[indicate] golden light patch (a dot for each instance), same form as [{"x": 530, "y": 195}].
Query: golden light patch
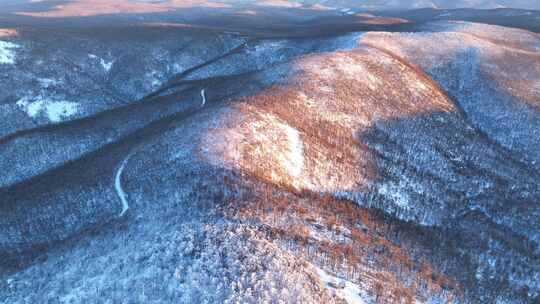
[
  {"x": 85, "y": 8},
  {"x": 8, "y": 32}
]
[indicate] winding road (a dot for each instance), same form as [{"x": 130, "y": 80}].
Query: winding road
[
  {"x": 203, "y": 95},
  {"x": 118, "y": 176},
  {"x": 118, "y": 185}
]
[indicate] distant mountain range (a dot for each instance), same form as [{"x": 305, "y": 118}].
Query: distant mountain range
[{"x": 443, "y": 4}]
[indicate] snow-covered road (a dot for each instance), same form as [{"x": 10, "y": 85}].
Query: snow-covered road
[
  {"x": 203, "y": 96},
  {"x": 118, "y": 185}
]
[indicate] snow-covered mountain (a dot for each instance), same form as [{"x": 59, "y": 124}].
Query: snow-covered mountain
[
  {"x": 268, "y": 154},
  {"x": 440, "y": 4}
]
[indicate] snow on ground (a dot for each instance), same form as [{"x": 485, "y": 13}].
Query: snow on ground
[
  {"x": 47, "y": 82},
  {"x": 272, "y": 146},
  {"x": 394, "y": 192},
  {"x": 266, "y": 132},
  {"x": 346, "y": 290},
  {"x": 338, "y": 233},
  {"x": 295, "y": 162},
  {"x": 268, "y": 46},
  {"x": 7, "y": 53},
  {"x": 107, "y": 65},
  {"x": 354, "y": 70},
  {"x": 55, "y": 111},
  {"x": 154, "y": 78}
]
